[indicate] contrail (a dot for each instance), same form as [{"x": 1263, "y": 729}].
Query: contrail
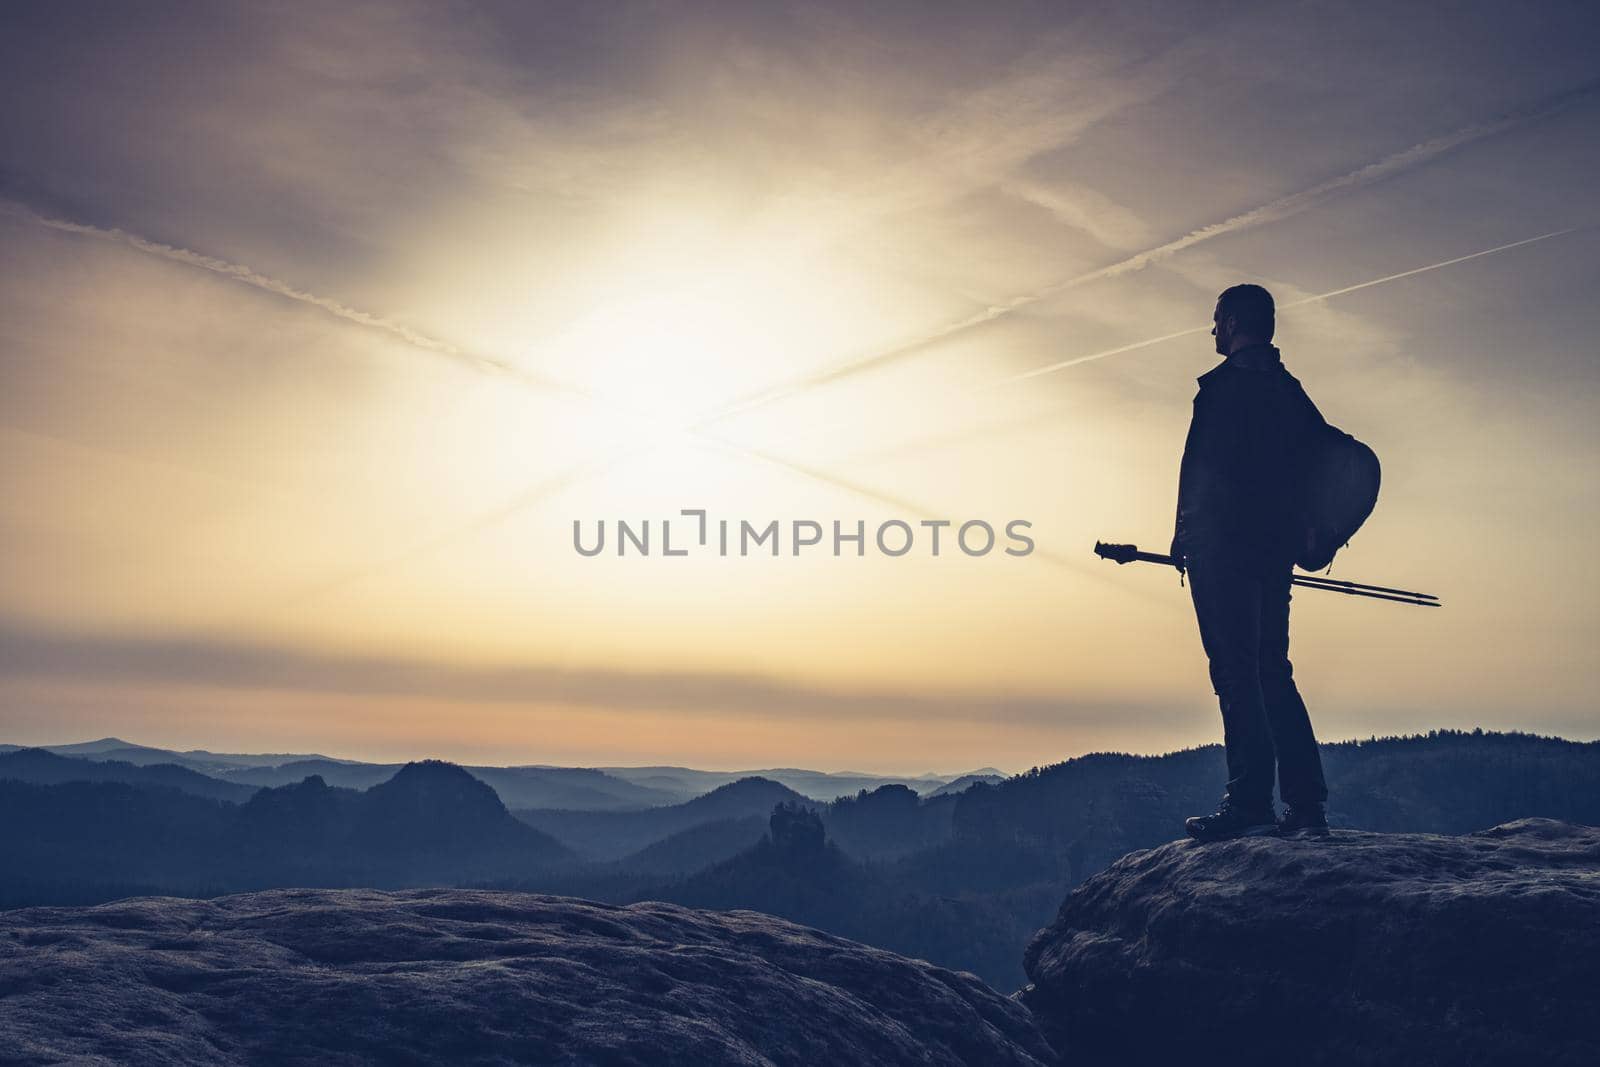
[
  {"x": 1102, "y": 355},
  {"x": 1433, "y": 266},
  {"x": 1053, "y": 367},
  {"x": 255, "y": 279},
  {"x": 1274, "y": 211}
]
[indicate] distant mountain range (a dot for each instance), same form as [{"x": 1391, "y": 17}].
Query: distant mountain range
[
  {"x": 535, "y": 786},
  {"x": 114, "y": 748},
  {"x": 43, "y": 767},
  {"x": 431, "y": 823},
  {"x": 610, "y": 835},
  {"x": 90, "y": 825},
  {"x": 817, "y": 785}
]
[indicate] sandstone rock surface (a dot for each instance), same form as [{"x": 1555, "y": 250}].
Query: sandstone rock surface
[
  {"x": 1355, "y": 949},
  {"x": 459, "y": 976}
]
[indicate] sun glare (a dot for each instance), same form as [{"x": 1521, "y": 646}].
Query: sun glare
[{"x": 667, "y": 347}]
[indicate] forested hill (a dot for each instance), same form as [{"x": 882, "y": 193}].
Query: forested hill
[{"x": 1097, "y": 807}]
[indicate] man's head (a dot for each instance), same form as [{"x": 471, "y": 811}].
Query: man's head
[{"x": 1244, "y": 316}]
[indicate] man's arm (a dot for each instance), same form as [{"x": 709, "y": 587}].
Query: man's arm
[
  {"x": 1201, "y": 478},
  {"x": 1184, "y": 478}
]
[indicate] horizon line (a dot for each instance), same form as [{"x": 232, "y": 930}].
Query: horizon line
[{"x": 752, "y": 771}]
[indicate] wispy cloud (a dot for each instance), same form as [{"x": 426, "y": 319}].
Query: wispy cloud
[
  {"x": 531, "y": 496},
  {"x": 26, "y": 652}
]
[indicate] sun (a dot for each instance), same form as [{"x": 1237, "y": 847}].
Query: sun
[{"x": 673, "y": 355}]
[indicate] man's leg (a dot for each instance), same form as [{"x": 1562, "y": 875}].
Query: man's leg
[
  {"x": 1300, "y": 781},
  {"x": 1227, "y": 605}
]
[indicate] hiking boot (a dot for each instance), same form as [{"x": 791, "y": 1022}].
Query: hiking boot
[
  {"x": 1303, "y": 820},
  {"x": 1230, "y": 820}
]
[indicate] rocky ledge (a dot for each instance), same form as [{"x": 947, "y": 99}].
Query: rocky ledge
[
  {"x": 456, "y": 976},
  {"x": 1354, "y": 949}
]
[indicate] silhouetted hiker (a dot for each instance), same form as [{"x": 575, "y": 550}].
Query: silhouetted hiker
[{"x": 1238, "y": 534}]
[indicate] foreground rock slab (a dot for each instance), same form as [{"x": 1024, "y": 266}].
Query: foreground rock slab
[
  {"x": 1355, "y": 949},
  {"x": 348, "y": 976}
]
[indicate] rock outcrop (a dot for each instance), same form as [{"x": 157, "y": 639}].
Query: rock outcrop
[
  {"x": 457, "y": 976},
  {"x": 1355, "y": 949}
]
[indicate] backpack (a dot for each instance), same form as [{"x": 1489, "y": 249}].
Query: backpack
[{"x": 1339, "y": 491}]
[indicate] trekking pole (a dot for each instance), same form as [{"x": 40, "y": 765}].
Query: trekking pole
[{"x": 1131, "y": 553}]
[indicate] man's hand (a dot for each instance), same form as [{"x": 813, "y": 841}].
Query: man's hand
[{"x": 1177, "y": 555}]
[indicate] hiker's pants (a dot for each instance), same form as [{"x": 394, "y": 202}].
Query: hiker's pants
[{"x": 1244, "y": 626}]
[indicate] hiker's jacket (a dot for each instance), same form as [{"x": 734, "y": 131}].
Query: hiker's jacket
[{"x": 1239, "y": 483}]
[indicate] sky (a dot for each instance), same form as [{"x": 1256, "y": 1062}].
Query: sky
[{"x": 321, "y": 326}]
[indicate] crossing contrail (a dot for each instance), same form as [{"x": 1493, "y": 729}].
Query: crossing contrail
[
  {"x": 1073, "y": 362},
  {"x": 1274, "y": 211}
]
